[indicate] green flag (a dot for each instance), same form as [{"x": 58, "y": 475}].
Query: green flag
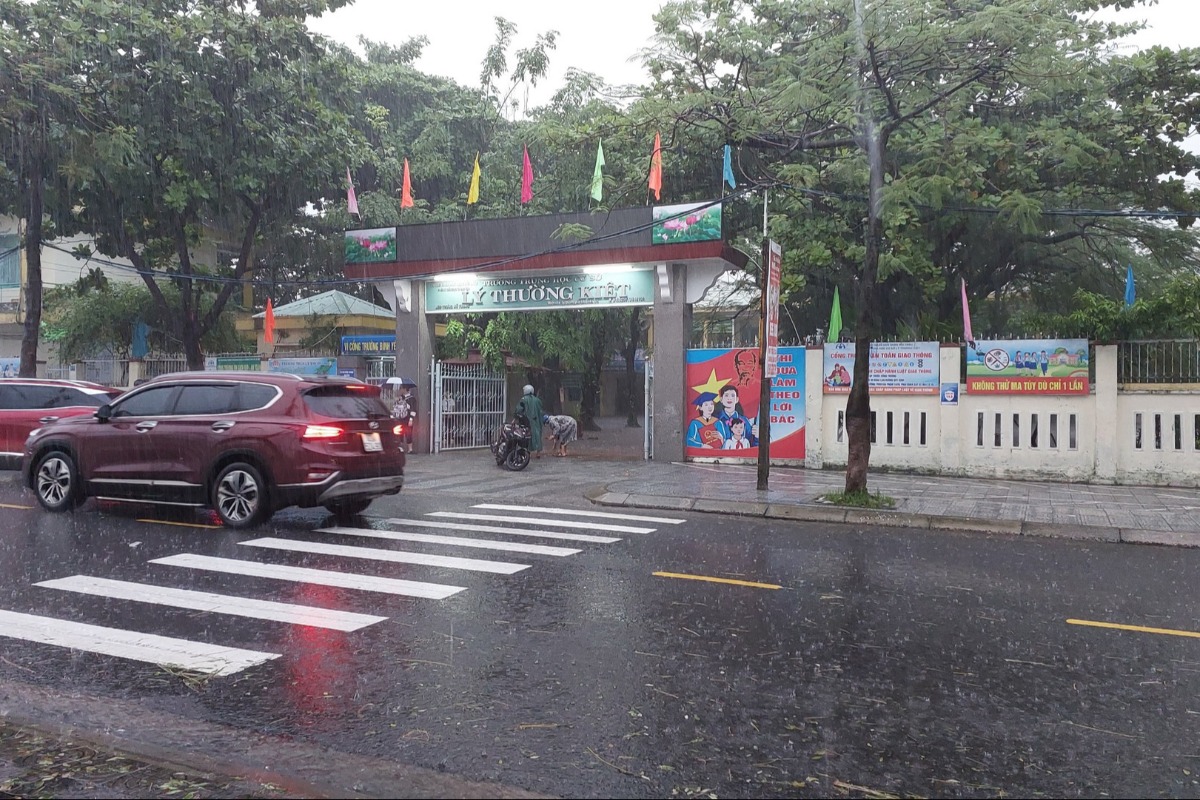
[
  {"x": 835, "y": 318},
  {"x": 598, "y": 174}
]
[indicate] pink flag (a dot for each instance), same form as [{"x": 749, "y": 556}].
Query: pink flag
[
  {"x": 967, "y": 335},
  {"x": 527, "y": 180},
  {"x": 351, "y": 200}
]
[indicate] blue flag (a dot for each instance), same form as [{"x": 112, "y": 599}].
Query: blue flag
[
  {"x": 1130, "y": 293},
  {"x": 728, "y": 172},
  {"x": 139, "y": 347}
]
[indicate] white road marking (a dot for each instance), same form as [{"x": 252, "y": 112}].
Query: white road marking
[
  {"x": 594, "y": 526},
  {"x": 282, "y": 572},
  {"x": 134, "y": 645},
  {"x": 394, "y": 556},
  {"x": 462, "y": 526},
  {"x": 574, "y": 513},
  {"x": 215, "y": 603},
  {"x": 457, "y": 541}
]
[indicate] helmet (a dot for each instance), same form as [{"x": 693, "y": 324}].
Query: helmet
[{"x": 528, "y": 389}]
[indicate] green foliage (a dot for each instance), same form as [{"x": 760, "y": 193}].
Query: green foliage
[{"x": 862, "y": 499}]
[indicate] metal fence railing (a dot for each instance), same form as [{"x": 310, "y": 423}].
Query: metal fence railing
[{"x": 1158, "y": 361}]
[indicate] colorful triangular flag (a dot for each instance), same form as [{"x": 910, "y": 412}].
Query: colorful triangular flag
[
  {"x": 269, "y": 323},
  {"x": 968, "y": 336},
  {"x": 526, "y": 179},
  {"x": 406, "y": 200},
  {"x": 727, "y": 171},
  {"x": 598, "y": 173},
  {"x": 656, "y": 168},
  {"x": 473, "y": 192},
  {"x": 351, "y": 199},
  {"x": 835, "y": 318}
]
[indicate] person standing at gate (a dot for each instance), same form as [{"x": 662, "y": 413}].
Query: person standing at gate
[
  {"x": 404, "y": 410},
  {"x": 531, "y": 406}
]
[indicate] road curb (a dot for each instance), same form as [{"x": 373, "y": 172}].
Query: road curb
[{"x": 821, "y": 512}]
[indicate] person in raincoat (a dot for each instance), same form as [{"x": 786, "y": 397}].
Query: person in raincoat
[{"x": 531, "y": 406}]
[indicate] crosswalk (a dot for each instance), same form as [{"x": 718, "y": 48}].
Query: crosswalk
[{"x": 509, "y": 531}]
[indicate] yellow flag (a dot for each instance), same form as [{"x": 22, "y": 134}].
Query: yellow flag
[{"x": 473, "y": 194}]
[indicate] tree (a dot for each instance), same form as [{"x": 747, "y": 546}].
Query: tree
[
  {"x": 212, "y": 121},
  {"x": 902, "y": 134}
]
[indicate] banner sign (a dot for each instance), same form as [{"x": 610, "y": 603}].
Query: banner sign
[
  {"x": 10, "y": 367},
  {"x": 1028, "y": 366},
  {"x": 895, "y": 367},
  {"x": 722, "y": 393},
  {"x": 611, "y": 289},
  {"x": 369, "y": 345},
  {"x": 303, "y": 366},
  {"x": 687, "y": 222},
  {"x": 774, "y": 277},
  {"x": 370, "y": 246},
  {"x": 237, "y": 363}
]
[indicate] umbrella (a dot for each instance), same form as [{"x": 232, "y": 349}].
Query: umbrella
[{"x": 398, "y": 380}]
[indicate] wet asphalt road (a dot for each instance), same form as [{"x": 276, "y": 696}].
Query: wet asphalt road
[{"x": 897, "y": 661}]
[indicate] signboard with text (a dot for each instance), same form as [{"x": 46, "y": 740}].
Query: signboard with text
[
  {"x": 251, "y": 363},
  {"x": 1028, "y": 366},
  {"x": 895, "y": 367},
  {"x": 303, "y": 366},
  {"x": 611, "y": 289},
  {"x": 369, "y": 345},
  {"x": 774, "y": 276},
  {"x": 722, "y": 396}
]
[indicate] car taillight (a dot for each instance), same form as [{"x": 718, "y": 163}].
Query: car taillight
[
  {"x": 322, "y": 432},
  {"x": 398, "y": 430}
]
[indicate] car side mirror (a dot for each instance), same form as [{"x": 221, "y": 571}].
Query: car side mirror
[{"x": 104, "y": 412}]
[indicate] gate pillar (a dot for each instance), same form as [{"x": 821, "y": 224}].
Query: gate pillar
[
  {"x": 672, "y": 335},
  {"x": 414, "y": 349}
]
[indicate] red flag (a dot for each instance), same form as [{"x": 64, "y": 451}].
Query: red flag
[
  {"x": 527, "y": 179},
  {"x": 351, "y": 199},
  {"x": 269, "y": 323},
  {"x": 656, "y": 168},
  {"x": 406, "y": 189}
]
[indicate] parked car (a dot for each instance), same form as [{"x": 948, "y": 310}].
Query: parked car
[
  {"x": 29, "y": 403},
  {"x": 245, "y": 444}
]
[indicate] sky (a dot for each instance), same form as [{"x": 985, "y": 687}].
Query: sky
[{"x": 603, "y": 38}]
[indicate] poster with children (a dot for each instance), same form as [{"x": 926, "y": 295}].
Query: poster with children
[
  {"x": 1028, "y": 366},
  {"x": 722, "y": 398}
]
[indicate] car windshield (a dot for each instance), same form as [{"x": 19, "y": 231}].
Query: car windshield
[{"x": 345, "y": 402}]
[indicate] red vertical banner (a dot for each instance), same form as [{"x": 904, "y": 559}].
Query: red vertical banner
[{"x": 774, "y": 273}]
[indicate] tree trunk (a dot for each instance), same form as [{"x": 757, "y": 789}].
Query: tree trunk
[
  {"x": 858, "y": 404},
  {"x": 33, "y": 272},
  {"x": 631, "y": 346},
  {"x": 190, "y": 331}
]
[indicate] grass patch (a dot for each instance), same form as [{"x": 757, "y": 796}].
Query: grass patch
[{"x": 859, "y": 499}]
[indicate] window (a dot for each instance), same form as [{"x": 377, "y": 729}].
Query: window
[
  {"x": 1178, "y": 432},
  {"x": 874, "y": 431},
  {"x": 996, "y": 441},
  {"x": 153, "y": 402},
  {"x": 1033, "y": 430},
  {"x": 1137, "y": 431},
  {"x": 1016, "y": 442},
  {"x": 341, "y": 402},
  {"x": 890, "y": 437},
  {"x": 905, "y": 432},
  {"x": 923, "y": 429},
  {"x": 205, "y": 399},
  {"x": 1074, "y": 442},
  {"x": 251, "y": 396},
  {"x": 979, "y": 429},
  {"x": 1158, "y": 431},
  {"x": 1054, "y": 431},
  {"x": 841, "y": 430}
]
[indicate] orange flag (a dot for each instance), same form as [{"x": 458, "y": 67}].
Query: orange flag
[
  {"x": 656, "y": 168},
  {"x": 406, "y": 189},
  {"x": 269, "y": 323}
]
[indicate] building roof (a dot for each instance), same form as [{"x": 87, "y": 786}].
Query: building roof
[{"x": 330, "y": 304}]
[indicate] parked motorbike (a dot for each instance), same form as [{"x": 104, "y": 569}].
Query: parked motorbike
[{"x": 511, "y": 447}]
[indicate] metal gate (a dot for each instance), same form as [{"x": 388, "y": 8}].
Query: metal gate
[
  {"x": 470, "y": 404},
  {"x": 648, "y": 441}
]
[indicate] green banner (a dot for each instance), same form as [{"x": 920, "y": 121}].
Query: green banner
[
  {"x": 463, "y": 293},
  {"x": 250, "y": 363}
]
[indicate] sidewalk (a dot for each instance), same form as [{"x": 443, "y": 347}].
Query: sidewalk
[{"x": 607, "y": 465}]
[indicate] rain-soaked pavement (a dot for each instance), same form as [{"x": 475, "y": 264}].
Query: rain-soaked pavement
[{"x": 828, "y": 659}]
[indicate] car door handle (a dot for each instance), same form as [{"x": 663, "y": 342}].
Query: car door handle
[
  {"x": 148, "y": 425},
  {"x": 222, "y": 426},
  {"x": 47, "y": 420}
]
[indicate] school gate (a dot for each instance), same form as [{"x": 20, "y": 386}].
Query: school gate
[{"x": 663, "y": 257}]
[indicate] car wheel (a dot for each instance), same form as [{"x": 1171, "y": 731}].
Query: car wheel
[
  {"x": 344, "y": 509},
  {"x": 56, "y": 482},
  {"x": 518, "y": 459},
  {"x": 239, "y": 496}
]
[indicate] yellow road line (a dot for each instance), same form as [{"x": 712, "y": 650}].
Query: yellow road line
[
  {"x": 182, "y": 524},
  {"x": 731, "y": 581},
  {"x": 1138, "y": 628},
  {"x": 9, "y": 505}
]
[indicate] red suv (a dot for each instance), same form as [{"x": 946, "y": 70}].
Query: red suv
[
  {"x": 246, "y": 444},
  {"x": 29, "y": 403}
]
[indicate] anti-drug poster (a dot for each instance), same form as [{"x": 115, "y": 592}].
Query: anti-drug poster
[
  {"x": 722, "y": 398},
  {"x": 1028, "y": 366}
]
